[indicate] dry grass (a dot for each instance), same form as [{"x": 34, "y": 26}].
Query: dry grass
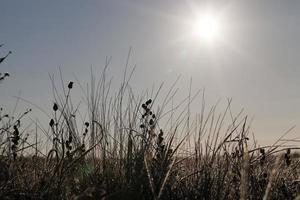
[{"x": 120, "y": 150}]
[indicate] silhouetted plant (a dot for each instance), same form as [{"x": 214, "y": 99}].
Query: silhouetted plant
[
  {"x": 6, "y": 74},
  {"x": 132, "y": 156}
]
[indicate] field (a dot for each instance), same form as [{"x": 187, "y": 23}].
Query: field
[
  {"x": 123, "y": 151},
  {"x": 208, "y": 114},
  {"x": 120, "y": 145}
]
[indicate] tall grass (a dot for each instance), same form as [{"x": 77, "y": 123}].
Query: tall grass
[{"x": 121, "y": 145}]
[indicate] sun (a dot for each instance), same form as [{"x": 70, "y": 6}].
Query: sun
[{"x": 207, "y": 27}]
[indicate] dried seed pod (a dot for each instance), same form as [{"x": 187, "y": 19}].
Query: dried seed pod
[
  {"x": 70, "y": 85},
  {"x": 142, "y": 126},
  {"x": 55, "y": 107},
  {"x": 149, "y": 101},
  {"x": 144, "y": 106},
  {"x": 151, "y": 122},
  {"x": 16, "y": 130},
  {"x": 51, "y": 123},
  {"x": 161, "y": 133}
]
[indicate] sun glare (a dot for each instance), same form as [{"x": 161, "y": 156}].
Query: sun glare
[{"x": 207, "y": 27}]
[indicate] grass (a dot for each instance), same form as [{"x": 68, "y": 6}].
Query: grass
[{"x": 128, "y": 146}]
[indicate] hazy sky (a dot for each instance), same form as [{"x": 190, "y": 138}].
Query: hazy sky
[{"x": 255, "y": 60}]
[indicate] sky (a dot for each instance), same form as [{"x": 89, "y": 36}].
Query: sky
[{"x": 254, "y": 60}]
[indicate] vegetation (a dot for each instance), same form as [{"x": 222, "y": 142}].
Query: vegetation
[
  {"x": 4, "y": 75},
  {"x": 136, "y": 147}
]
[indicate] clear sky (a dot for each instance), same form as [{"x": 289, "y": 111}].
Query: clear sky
[{"x": 254, "y": 60}]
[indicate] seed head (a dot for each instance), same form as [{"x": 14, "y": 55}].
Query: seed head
[
  {"x": 151, "y": 122},
  {"x": 70, "y": 85},
  {"x": 149, "y": 101},
  {"x": 55, "y": 107},
  {"x": 142, "y": 126},
  {"x": 161, "y": 133},
  {"x": 51, "y": 123}
]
